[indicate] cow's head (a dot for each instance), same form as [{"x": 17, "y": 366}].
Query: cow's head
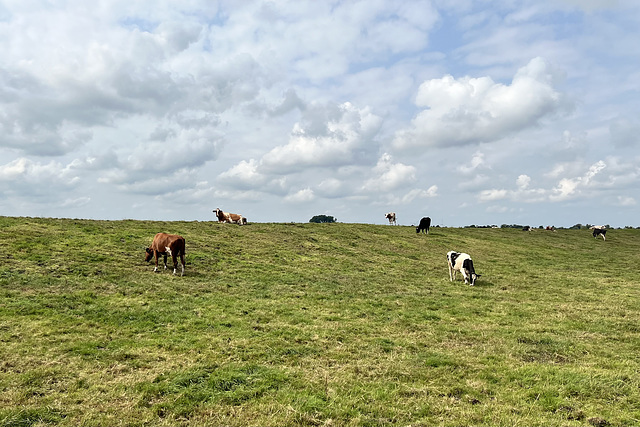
[
  {"x": 149, "y": 251},
  {"x": 473, "y": 278},
  {"x": 469, "y": 272}
]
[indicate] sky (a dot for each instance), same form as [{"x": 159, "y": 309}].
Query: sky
[{"x": 472, "y": 112}]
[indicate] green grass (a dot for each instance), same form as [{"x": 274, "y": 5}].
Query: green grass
[{"x": 316, "y": 324}]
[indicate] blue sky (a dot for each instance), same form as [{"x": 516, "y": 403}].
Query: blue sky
[{"x": 471, "y": 112}]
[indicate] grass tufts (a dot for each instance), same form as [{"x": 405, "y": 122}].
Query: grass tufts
[{"x": 316, "y": 324}]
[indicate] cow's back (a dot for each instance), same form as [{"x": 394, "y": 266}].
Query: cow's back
[{"x": 162, "y": 241}]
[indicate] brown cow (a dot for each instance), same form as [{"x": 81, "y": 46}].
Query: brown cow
[
  {"x": 230, "y": 217},
  {"x": 167, "y": 244}
]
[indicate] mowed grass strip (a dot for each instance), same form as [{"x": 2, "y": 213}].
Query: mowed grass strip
[{"x": 316, "y": 324}]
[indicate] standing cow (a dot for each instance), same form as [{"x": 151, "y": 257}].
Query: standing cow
[
  {"x": 167, "y": 244},
  {"x": 391, "y": 216},
  {"x": 424, "y": 225},
  {"x": 599, "y": 230}
]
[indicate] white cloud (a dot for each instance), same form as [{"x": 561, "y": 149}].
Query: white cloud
[
  {"x": 301, "y": 196},
  {"x": 523, "y": 182},
  {"x": 492, "y": 195},
  {"x": 473, "y": 110},
  {"x": 343, "y": 105},
  {"x": 243, "y": 175},
  {"x": 25, "y": 177},
  {"x": 389, "y": 175},
  {"x": 569, "y": 187},
  {"x": 24, "y": 169},
  {"x": 417, "y": 193},
  {"x": 477, "y": 161},
  {"x": 566, "y": 188},
  {"x": 329, "y": 137}
]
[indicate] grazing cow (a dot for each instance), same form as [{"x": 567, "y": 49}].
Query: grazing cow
[
  {"x": 461, "y": 262},
  {"x": 229, "y": 217},
  {"x": 167, "y": 244},
  {"x": 527, "y": 228},
  {"x": 599, "y": 230},
  {"x": 391, "y": 216},
  {"x": 424, "y": 225}
]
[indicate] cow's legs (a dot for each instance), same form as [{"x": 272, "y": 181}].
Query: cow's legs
[
  {"x": 174, "y": 258},
  {"x": 175, "y": 263},
  {"x": 156, "y": 254},
  {"x": 165, "y": 261}
]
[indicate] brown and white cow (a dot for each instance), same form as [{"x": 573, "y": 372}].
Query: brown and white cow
[
  {"x": 391, "y": 216},
  {"x": 230, "y": 217},
  {"x": 167, "y": 244}
]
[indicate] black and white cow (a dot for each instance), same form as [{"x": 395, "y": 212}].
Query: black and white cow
[
  {"x": 599, "y": 230},
  {"x": 424, "y": 225},
  {"x": 461, "y": 262}
]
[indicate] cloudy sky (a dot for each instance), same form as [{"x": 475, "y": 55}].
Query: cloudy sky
[{"x": 470, "y": 112}]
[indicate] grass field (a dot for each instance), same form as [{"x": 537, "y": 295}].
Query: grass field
[{"x": 316, "y": 324}]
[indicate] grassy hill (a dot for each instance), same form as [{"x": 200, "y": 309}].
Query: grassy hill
[{"x": 316, "y": 324}]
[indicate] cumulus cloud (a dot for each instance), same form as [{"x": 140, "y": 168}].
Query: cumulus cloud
[
  {"x": 477, "y": 161},
  {"x": 492, "y": 195},
  {"x": 166, "y": 163},
  {"x": 569, "y": 187},
  {"x": 390, "y": 175},
  {"x": 329, "y": 147},
  {"x": 344, "y": 103},
  {"x": 27, "y": 177},
  {"x": 302, "y": 196},
  {"x": 566, "y": 188},
  {"x": 329, "y": 136},
  {"x": 473, "y": 110},
  {"x": 523, "y": 182}
]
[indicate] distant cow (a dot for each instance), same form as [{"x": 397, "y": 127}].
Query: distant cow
[
  {"x": 461, "y": 262},
  {"x": 229, "y": 217},
  {"x": 599, "y": 230},
  {"x": 391, "y": 216},
  {"x": 424, "y": 225},
  {"x": 167, "y": 244}
]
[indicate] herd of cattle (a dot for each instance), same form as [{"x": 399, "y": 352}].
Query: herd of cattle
[{"x": 173, "y": 245}]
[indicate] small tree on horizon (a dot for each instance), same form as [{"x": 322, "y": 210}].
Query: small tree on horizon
[{"x": 322, "y": 218}]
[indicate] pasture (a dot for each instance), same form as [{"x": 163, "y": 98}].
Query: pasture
[{"x": 316, "y": 324}]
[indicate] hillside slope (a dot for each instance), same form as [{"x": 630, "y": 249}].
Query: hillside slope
[{"x": 316, "y": 324}]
